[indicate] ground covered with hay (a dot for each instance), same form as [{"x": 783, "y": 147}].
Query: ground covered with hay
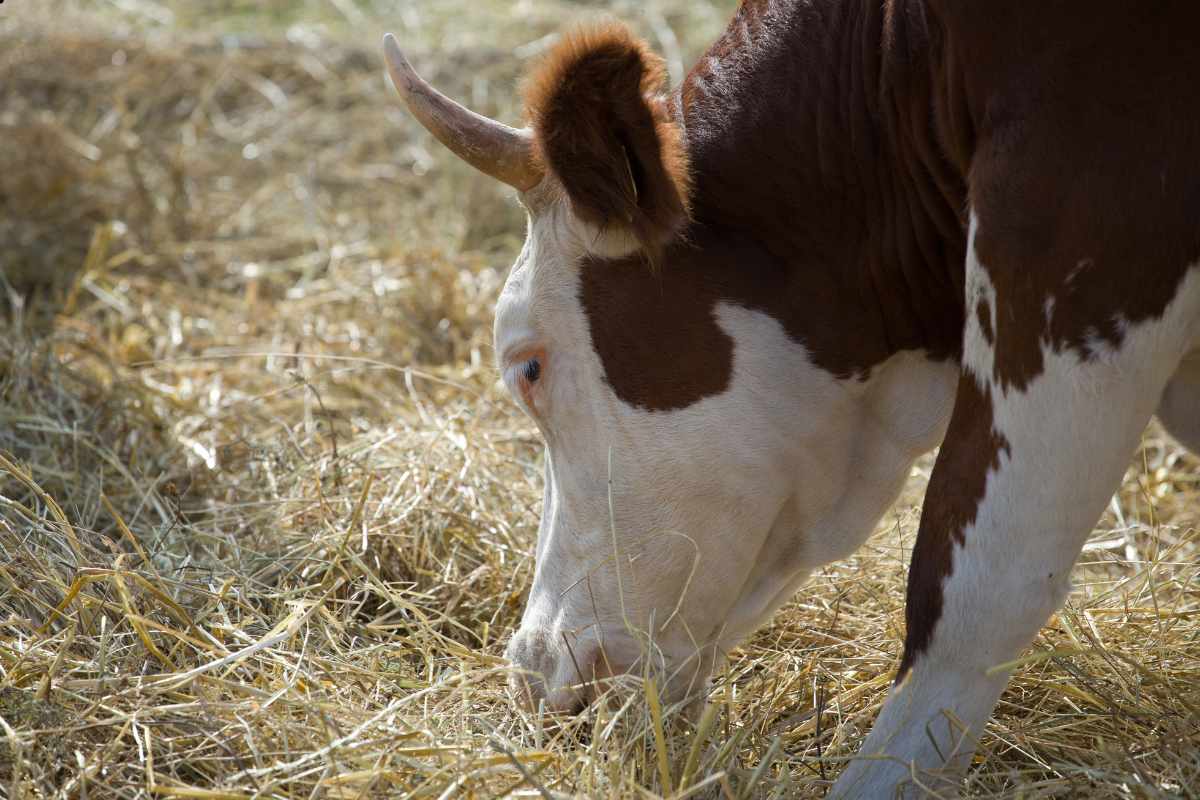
[{"x": 266, "y": 517}]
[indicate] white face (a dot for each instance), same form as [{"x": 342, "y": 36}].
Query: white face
[{"x": 671, "y": 535}]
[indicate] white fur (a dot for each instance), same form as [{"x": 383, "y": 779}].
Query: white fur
[
  {"x": 1071, "y": 432},
  {"x": 716, "y": 511}
]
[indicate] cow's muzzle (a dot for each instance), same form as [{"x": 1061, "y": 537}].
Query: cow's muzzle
[{"x": 562, "y": 672}]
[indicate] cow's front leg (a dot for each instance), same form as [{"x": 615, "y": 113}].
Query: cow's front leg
[
  {"x": 1011, "y": 500},
  {"x": 1025, "y": 471}
]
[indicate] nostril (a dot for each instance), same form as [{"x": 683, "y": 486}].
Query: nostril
[
  {"x": 578, "y": 703},
  {"x": 529, "y": 658},
  {"x": 585, "y": 674}
]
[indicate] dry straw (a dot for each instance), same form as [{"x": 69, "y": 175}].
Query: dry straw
[{"x": 266, "y": 519}]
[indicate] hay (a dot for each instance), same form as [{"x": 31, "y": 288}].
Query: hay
[{"x": 266, "y": 518}]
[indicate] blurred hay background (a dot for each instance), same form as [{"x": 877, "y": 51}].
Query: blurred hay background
[{"x": 266, "y": 518}]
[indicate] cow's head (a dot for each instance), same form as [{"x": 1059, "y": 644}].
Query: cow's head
[{"x": 698, "y": 463}]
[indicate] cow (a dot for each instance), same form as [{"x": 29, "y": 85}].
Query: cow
[{"x": 858, "y": 230}]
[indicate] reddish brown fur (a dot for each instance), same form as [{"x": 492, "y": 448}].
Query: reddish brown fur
[{"x": 602, "y": 128}]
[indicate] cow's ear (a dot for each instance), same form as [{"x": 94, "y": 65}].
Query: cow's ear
[{"x": 601, "y": 126}]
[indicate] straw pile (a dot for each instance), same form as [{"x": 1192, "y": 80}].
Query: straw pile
[{"x": 266, "y": 518}]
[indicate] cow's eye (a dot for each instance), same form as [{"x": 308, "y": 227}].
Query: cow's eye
[{"x": 532, "y": 370}]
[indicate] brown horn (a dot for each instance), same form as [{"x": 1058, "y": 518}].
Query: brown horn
[{"x": 489, "y": 146}]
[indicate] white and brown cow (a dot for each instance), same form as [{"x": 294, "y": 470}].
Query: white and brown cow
[{"x": 858, "y": 229}]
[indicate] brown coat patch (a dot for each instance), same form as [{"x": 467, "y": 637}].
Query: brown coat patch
[
  {"x": 956, "y": 489},
  {"x": 983, "y": 314},
  {"x": 603, "y": 130},
  {"x": 795, "y": 125},
  {"x": 1084, "y": 177}
]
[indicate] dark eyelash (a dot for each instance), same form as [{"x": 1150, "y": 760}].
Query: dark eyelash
[{"x": 532, "y": 370}]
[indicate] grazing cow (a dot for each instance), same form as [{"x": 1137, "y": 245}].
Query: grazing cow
[{"x": 858, "y": 229}]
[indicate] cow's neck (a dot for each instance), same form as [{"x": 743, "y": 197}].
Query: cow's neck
[{"x": 815, "y": 154}]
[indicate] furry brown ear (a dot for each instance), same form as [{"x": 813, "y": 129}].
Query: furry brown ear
[{"x": 601, "y": 126}]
